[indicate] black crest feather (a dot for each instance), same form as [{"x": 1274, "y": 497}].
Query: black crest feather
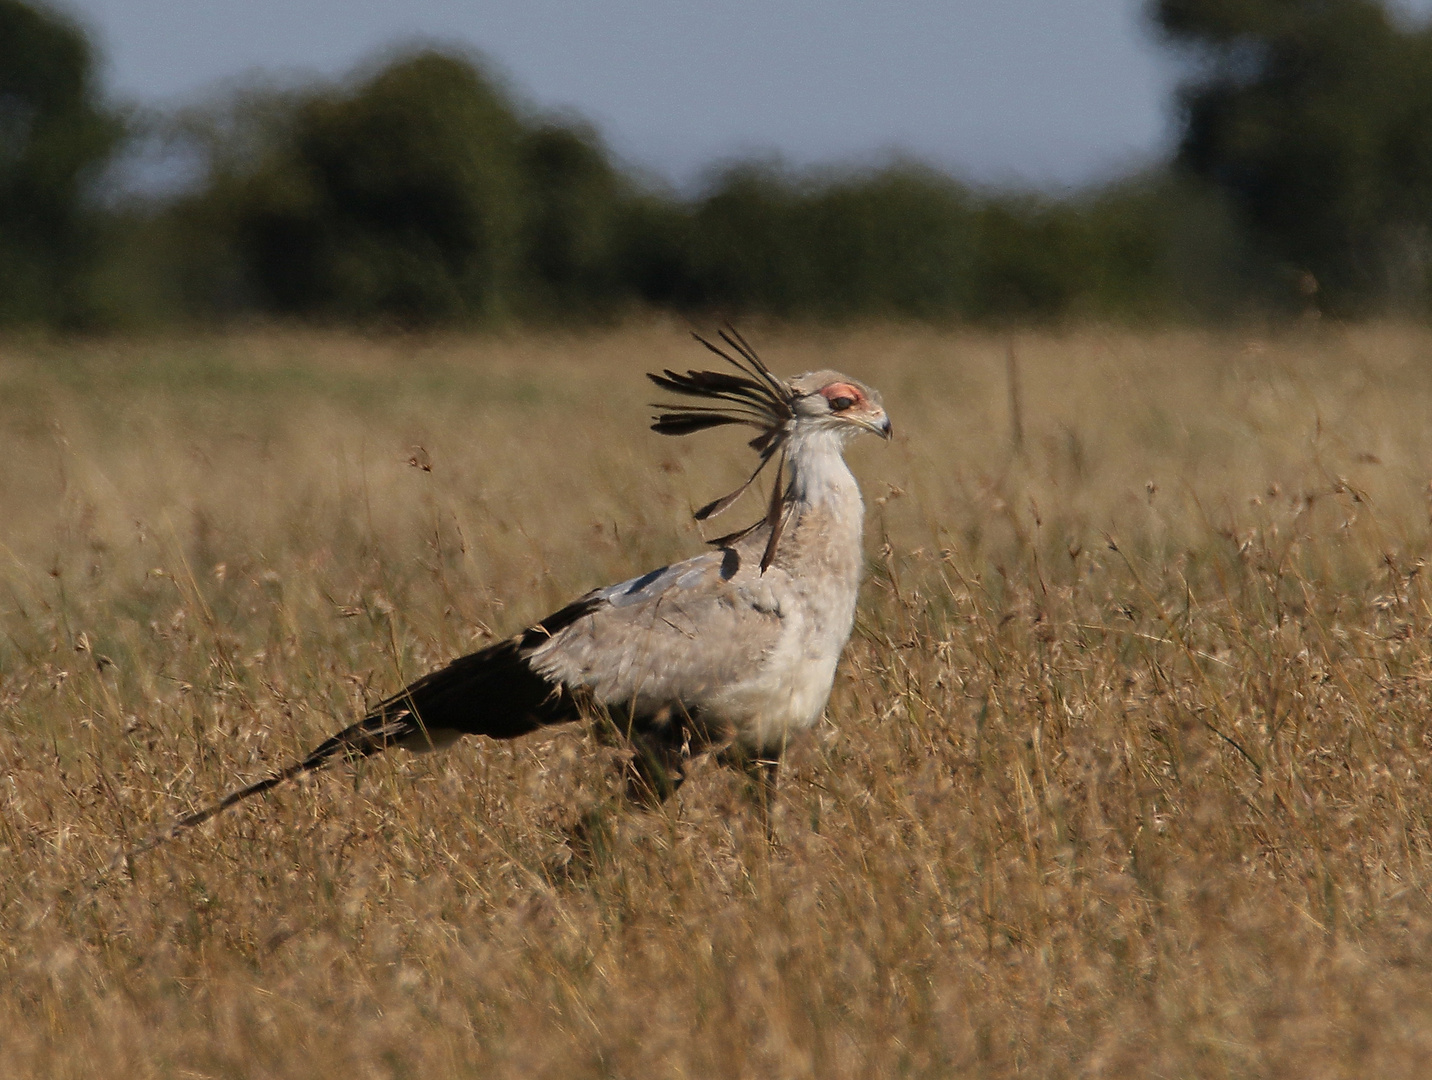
[{"x": 750, "y": 395}]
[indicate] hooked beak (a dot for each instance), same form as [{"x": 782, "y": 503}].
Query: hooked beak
[{"x": 880, "y": 427}]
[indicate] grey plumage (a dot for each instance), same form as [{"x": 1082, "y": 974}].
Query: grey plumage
[{"x": 733, "y": 650}]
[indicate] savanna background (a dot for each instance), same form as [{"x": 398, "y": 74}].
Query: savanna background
[{"x": 1124, "y": 773}]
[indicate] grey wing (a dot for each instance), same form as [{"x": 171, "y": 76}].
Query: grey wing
[{"x": 689, "y": 634}]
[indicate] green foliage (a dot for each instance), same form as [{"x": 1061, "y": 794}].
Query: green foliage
[
  {"x": 398, "y": 198},
  {"x": 575, "y": 217},
  {"x": 892, "y": 242},
  {"x": 55, "y": 138},
  {"x": 419, "y": 192},
  {"x": 1316, "y": 120},
  {"x": 905, "y": 241}
]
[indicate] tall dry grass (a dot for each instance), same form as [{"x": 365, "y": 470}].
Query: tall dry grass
[{"x": 1125, "y": 772}]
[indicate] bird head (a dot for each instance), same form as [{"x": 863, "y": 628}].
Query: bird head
[
  {"x": 831, "y": 401},
  {"x": 778, "y": 409}
]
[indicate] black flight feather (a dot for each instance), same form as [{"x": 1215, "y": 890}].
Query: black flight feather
[
  {"x": 715, "y": 507},
  {"x": 749, "y": 395},
  {"x": 775, "y": 516},
  {"x": 731, "y": 336},
  {"x": 494, "y": 692},
  {"x": 679, "y": 424}
]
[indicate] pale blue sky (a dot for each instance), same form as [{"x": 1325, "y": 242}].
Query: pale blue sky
[{"x": 1043, "y": 92}]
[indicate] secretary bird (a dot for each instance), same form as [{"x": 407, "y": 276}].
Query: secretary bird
[{"x": 732, "y": 652}]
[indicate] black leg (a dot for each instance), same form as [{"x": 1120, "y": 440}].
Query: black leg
[
  {"x": 654, "y": 772},
  {"x": 590, "y": 841},
  {"x": 762, "y": 771},
  {"x": 766, "y": 771}
]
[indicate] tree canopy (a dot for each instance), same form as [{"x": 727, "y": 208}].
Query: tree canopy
[
  {"x": 421, "y": 190},
  {"x": 55, "y": 138},
  {"x": 1315, "y": 118}
]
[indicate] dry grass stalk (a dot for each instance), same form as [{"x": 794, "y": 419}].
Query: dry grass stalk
[{"x": 1125, "y": 774}]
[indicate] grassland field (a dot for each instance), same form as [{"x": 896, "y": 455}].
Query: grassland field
[{"x": 1126, "y": 772}]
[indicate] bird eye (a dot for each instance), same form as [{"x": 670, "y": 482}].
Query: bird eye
[{"x": 840, "y": 404}]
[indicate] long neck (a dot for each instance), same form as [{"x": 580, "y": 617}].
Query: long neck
[
  {"x": 819, "y": 474},
  {"x": 824, "y": 512}
]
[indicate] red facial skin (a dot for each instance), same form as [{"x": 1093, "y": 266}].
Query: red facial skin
[{"x": 843, "y": 390}]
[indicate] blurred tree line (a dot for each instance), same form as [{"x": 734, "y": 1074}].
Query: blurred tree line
[
  {"x": 55, "y": 138},
  {"x": 419, "y": 192}
]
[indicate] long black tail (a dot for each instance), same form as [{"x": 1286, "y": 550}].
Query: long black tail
[
  {"x": 377, "y": 731},
  {"x": 493, "y": 692}
]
